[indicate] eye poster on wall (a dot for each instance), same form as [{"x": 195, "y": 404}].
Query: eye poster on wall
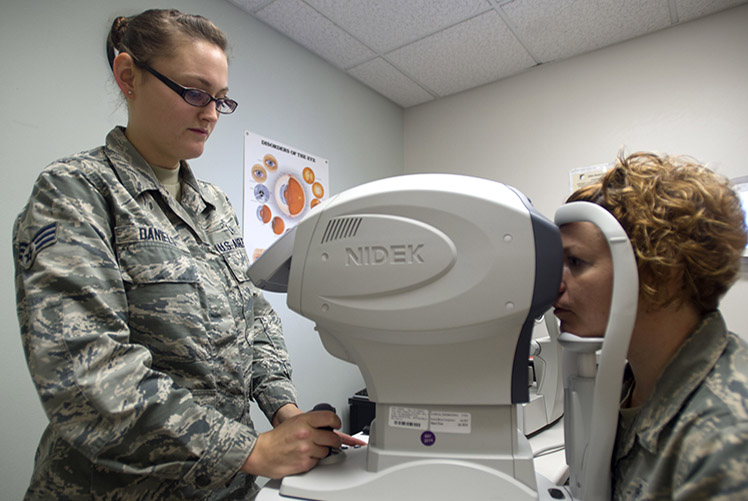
[{"x": 281, "y": 185}]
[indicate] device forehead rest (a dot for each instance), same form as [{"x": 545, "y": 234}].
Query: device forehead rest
[
  {"x": 422, "y": 252},
  {"x": 405, "y": 276}
]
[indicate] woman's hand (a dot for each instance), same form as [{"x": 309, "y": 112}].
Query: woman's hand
[{"x": 296, "y": 444}]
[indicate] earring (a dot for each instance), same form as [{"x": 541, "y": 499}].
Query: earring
[{"x": 129, "y": 93}]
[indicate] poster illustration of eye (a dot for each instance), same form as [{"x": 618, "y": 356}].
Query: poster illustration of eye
[{"x": 281, "y": 185}]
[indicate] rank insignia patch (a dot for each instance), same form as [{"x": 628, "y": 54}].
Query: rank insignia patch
[{"x": 45, "y": 237}]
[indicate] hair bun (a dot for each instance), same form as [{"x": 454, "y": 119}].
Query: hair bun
[{"x": 116, "y": 33}]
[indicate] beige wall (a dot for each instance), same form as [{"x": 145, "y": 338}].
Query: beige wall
[{"x": 682, "y": 90}]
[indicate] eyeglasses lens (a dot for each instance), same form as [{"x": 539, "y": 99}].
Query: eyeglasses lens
[
  {"x": 197, "y": 97},
  {"x": 226, "y": 105}
]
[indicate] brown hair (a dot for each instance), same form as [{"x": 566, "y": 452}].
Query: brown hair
[
  {"x": 681, "y": 217},
  {"x": 157, "y": 32}
]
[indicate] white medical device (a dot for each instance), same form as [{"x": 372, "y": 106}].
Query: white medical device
[{"x": 431, "y": 285}]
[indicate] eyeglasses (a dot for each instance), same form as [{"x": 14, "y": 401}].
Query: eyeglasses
[{"x": 195, "y": 97}]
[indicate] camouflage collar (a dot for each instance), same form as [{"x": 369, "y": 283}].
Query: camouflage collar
[
  {"x": 137, "y": 176},
  {"x": 681, "y": 377}
]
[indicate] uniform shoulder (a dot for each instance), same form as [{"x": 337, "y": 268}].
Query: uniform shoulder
[
  {"x": 721, "y": 399},
  {"x": 83, "y": 158},
  {"x": 88, "y": 161},
  {"x": 77, "y": 179}
]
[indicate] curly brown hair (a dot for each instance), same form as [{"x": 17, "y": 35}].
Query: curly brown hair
[{"x": 681, "y": 217}]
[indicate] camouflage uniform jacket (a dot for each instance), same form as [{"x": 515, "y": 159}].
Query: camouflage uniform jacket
[
  {"x": 143, "y": 334},
  {"x": 690, "y": 439}
]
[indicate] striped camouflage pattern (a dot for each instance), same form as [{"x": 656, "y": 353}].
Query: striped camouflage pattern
[
  {"x": 143, "y": 334},
  {"x": 690, "y": 439}
]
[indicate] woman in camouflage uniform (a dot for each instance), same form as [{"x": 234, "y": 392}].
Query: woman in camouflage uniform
[
  {"x": 683, "y": 424},
  {"x": 144, "y": 336}
]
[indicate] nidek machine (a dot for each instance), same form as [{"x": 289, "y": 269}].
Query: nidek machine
[{"x": 431, "y": 284}]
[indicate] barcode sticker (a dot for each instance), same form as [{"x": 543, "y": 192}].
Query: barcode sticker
[{"x": 407, "y": 417}]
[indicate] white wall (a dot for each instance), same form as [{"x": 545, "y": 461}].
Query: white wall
[
  {"x": 58, "y": 98},
  {"x": 682, "y": 90}
]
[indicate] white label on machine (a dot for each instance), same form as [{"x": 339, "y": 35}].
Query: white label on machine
[
  {"x": 450, "y": 422},
  {"x": 407, "y": 417}
]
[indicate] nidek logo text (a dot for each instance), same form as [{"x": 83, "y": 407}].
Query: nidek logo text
[{"x": 372, "y": 255}]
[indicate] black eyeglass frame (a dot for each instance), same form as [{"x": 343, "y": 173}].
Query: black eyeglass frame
[{"x": 230, "y": 104}]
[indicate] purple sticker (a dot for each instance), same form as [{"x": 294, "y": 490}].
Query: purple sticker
[{"x": 428, "y": 438}]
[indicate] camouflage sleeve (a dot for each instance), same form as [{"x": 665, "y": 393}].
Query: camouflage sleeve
[
  {"x": 271, "y": 366},
  {"x": 96, "y": 387},
  {"x": 717, "y": 467},
  {"x": 272, "y": 386}
]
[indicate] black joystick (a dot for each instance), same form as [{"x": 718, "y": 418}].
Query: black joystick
[
  {"x": 335, "y": 455},
  {"x": 325, "y": 407}
]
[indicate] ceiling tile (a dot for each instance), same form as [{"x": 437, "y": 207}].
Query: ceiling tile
[
  {"x": 249, "y": 5},
  {"x": 473, "y": 53},
  {"x": 384, "y": 25},
  {"x": 385, "y": 79},
  {"x": 557, "y": 29},
  {"x": 693, "y": 9},
  {"x": 306, "y": 26},
  {"x": 412, "y": 51}
]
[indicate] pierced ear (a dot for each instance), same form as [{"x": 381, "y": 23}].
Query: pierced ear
[{"x": 123, "y": 68}]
